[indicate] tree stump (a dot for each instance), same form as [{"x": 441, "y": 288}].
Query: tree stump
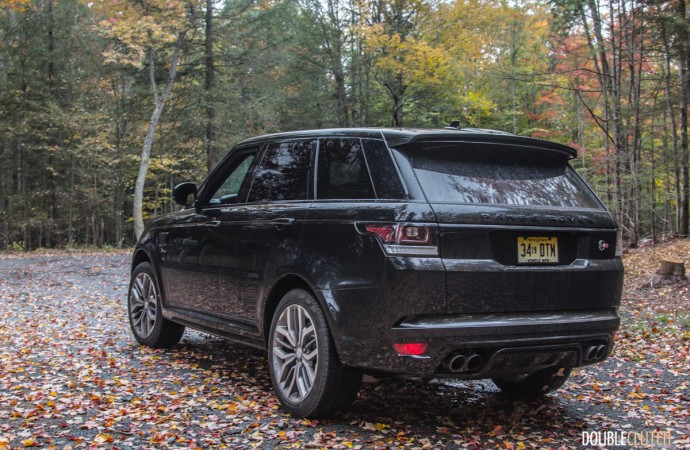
[
  {"x": 671, "y": 268},
  {"x": 670, "y": 271}
]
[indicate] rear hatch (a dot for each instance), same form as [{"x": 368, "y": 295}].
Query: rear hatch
[{"x": 519, "y": 229}]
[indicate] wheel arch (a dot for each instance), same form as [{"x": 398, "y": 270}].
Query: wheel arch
[
  {"x": 277, "y": 291},
  {"x": 139, "y": 257},
  {"x": 143, "y": 254}
]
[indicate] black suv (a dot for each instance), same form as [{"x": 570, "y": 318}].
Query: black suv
[{"x": 426, "y": 253}]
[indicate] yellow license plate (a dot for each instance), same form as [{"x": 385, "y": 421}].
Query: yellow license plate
[{"x": 537, "y": 250}]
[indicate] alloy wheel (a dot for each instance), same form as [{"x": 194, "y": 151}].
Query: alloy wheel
[
  {"x": 143, "y": 306},
  {"x": 295, "y": 353}
]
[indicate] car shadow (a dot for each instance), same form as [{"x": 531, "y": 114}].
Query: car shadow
[
  {"x": 440, "y": 407},
  {"x": 452, "y": 406}
]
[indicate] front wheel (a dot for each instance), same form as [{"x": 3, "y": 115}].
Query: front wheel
[
  {"x": 305, "y": 369},
  {"x": 144, "y": 307},
  {"x": 535, "y": 384}
]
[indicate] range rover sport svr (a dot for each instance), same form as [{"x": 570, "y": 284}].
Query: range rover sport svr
[{"x": 424, "y": 253}]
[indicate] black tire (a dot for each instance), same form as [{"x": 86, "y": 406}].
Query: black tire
[
  {"x": 304, "y": 366},
  {"x": 535, "y": 384},
  {"x": 144, "y": 309}
]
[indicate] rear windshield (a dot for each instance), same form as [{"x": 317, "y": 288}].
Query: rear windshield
[{"x": 446, "y": 178}]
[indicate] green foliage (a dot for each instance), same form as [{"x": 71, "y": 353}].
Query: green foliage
[{"x": 75, "y": 98}]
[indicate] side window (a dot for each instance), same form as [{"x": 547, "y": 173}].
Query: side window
[
  {"x": 342, "y": 171},
  {"x": 230, "y": 188},
  {"x": 386, "y": 178},
  {"x": 283, "y": 173}
]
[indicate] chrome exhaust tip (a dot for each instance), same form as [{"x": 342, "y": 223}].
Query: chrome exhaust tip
[
  {"x": 474, "y": 362},
  {"x": 462, "y": 363},
  {"x": 590, "y": 353},
  {"x": 601, "y": 352},
  {"x": 455, "y": 362}
]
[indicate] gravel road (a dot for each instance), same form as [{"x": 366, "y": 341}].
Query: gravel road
[{"x": 73, "y": 377}]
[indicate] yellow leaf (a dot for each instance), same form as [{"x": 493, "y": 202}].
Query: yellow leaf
[{"x": 103, "y": 438}]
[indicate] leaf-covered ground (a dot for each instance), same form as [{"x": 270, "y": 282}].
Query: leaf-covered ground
[{"x": 73, "y": 377}]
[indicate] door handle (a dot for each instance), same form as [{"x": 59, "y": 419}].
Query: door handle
[
  {"x": 281, "y": 222},
  {"x": 213, "y": 223}
]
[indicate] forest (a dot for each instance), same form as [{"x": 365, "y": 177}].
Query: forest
[{"x": 105, "y": 105}]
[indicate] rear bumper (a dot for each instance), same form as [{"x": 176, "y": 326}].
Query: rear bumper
[
  {"x": 499, "y": 344},
  {"x": 517, "y": 319},
  {"x": 483, "y": 327}
]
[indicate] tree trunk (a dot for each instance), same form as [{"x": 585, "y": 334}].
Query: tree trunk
[
  {"x": 396, "y": 90},
  {"x": 335, "y": 38},
  {"x": 683, "y": 55},
  {"x": 159, "y": 104},
  {"x": 397, "y": 111},
  {"x": 208, "y": 87},
  {"x": 53, "y": 229},
  {"x": 672, "y": 119}
]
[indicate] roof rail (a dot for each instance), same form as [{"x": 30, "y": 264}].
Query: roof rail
[{"x": 455, "y": 125}]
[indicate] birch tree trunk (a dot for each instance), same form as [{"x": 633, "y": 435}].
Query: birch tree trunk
[{"x": 159, "y": 104}]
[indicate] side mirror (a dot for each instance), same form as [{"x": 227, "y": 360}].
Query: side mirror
[{"x": 182, "y": 191}]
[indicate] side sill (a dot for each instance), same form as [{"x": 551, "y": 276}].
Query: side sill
[{"x": 231, "y": 330}]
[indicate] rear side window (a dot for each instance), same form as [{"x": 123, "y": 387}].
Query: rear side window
[
  {"x": 342, "y": 171},
  {"x": 451, "y": 177},
  {"x": 283, "y": 173},
  {"x": 384, "y": 173}
]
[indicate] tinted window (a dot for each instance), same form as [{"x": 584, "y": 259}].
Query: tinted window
[
  {"x": 447, "y": 178},
  {"x": 230, "y": 188},
  {"x": 383, "y": 172},
  {"x": 283, "y": 173},
  {"x": 342, "y": 171}
]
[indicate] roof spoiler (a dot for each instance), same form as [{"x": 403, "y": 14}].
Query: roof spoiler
[{"x": 455, "y": 125}]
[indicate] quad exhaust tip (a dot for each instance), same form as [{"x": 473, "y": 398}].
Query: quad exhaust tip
[{"x": 472, "y": 362}]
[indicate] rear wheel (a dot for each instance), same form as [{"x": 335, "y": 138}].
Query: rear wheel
[
  {"x": 535, "y": 384},
  {"x": 144, "y": 307},
  {"x": 305, "y": 369}
]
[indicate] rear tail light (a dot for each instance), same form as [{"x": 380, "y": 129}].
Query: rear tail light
[
  {"x": 410, "y": 234},
  {"x": 385, "y": 232},
  {"x": 397, "y": 239}
]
